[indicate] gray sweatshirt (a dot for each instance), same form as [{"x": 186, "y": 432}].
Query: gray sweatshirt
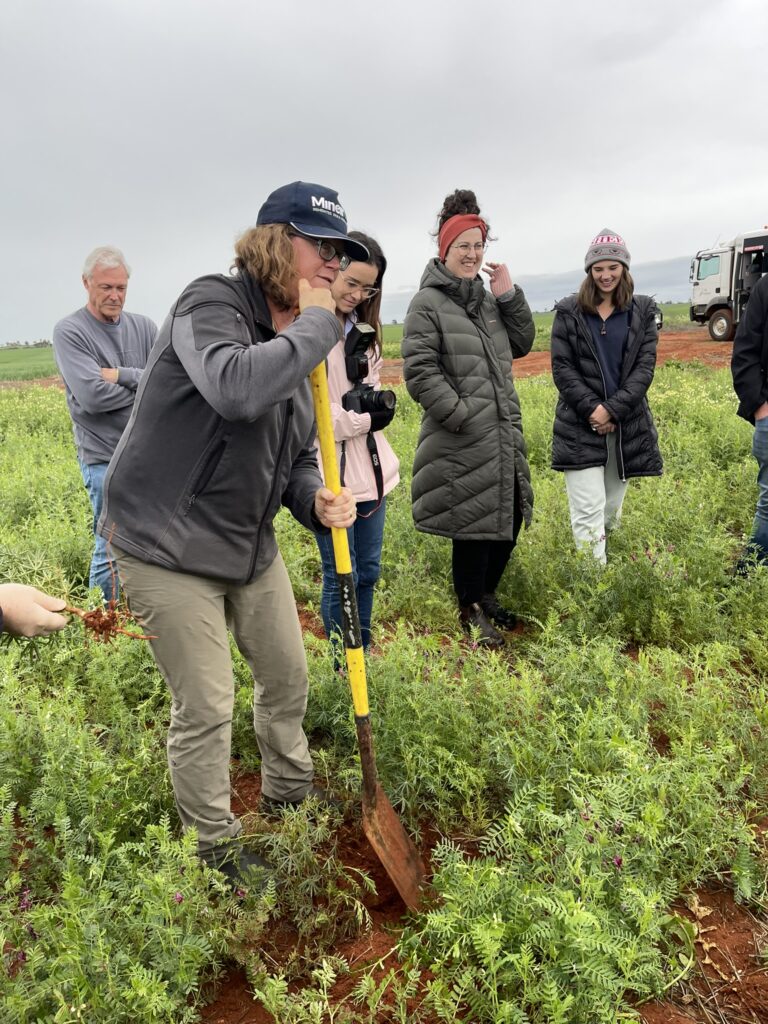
[{"x": 99, "y": 409}]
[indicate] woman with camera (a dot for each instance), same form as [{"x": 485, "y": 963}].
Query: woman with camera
[
  {"x": 471, "y": 480},
  {"x": 360, "y": 411}
]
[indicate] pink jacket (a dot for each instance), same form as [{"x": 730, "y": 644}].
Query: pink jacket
[{"x": 352, "y": 428}]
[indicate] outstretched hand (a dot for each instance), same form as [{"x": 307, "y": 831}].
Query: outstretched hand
[
  {"x": 500, "y": 279},
  {"x": 309, "y": 296},
  {"x": 29, "y": 612}
]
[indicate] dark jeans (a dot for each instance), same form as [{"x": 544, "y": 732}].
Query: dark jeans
[
  {"x": 758, "y": 542},
  {"x": 478, "y": 565},
  {"x": 365, "y": 540}
]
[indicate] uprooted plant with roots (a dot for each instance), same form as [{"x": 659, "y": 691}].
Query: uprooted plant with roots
[{"x": 103, "y": 624}]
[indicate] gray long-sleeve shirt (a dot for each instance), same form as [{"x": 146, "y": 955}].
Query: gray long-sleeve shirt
[{"x": 99, "y": 409}]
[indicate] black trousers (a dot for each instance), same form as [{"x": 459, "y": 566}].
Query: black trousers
[{"x": 478, "y": 565}]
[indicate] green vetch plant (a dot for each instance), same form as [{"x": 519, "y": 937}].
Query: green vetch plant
[
  {"x": 611, "y": 758},
  {"x": 128, "y": 935}
]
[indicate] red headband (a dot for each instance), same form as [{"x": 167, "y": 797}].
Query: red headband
[{"x": 454, "y": 226}]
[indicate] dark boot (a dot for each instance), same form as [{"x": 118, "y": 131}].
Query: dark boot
[
  {"x": 497, "y": 613},
  {"x": 235, "y": 862},
  {"x": 474, "y": 618},
  {"x": 271, "y": 807}
]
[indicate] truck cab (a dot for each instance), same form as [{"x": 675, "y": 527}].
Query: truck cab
[{"x": 721, "y": 280}]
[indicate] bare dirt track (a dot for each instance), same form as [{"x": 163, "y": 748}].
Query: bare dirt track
[
  {"x": 41, "y": 382},
  {"x": 688, "y": 346}
]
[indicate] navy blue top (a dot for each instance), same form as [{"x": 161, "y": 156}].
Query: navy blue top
[{"x": 610, "y": 338}]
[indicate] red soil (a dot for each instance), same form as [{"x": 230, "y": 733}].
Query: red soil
[
  {"x": 731, "y": 981},
  {"x": 234, "y": 1003},
  {"x": 729, "y": 985}
]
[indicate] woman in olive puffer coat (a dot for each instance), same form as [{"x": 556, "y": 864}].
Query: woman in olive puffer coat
[
  {"x": 603, "y": 358},
  {"x": 471, "y": 480}
]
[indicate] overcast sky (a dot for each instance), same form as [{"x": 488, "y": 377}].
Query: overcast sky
[{"x": 160, "y": 126}]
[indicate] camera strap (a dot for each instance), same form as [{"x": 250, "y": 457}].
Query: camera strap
[{"x": 378, "y": 476}]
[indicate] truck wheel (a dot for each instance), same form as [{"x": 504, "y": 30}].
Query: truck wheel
[{"x": 721, "y": 325}]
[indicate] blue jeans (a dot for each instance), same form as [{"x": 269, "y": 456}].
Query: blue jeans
[
  {"x": 758, "y": 542},
  {"x": 103, "y": 572},
  {"x": 365, "y": 540}
]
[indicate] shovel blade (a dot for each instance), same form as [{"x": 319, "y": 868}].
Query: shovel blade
[{"x": 394, "y": 847}]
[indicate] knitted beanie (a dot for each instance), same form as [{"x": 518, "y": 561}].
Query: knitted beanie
[{"x": 607, "y": 246}]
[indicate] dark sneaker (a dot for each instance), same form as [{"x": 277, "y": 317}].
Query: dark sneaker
[
  {"x": 235, "y": 862},
  {"x": 475, "y": 622},
  {"x": 497, "y": 613},
  {"x": 271, "y": 807}
]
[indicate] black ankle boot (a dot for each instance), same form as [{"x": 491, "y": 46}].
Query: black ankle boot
[
  {"x": 497, "y": 613},
  {"x": 474, "y": 618},
  {"x": 234, "y": 861}
]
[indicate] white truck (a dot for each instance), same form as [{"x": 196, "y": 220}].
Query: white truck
[{"x": 722, "y": 278}]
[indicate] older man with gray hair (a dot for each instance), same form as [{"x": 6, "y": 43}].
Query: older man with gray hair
[{"x": 101, "y": 352}]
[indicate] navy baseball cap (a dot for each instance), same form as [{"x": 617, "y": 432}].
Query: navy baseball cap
[{"x": 312, "y": 210}]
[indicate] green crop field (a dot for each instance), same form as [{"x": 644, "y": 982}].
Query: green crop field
[
  {"x": 569, "y": 790},
  {"x": 26, "y": 363}
]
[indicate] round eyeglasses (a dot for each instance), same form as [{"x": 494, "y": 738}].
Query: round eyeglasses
[
  {"x": 355, "y": 286},
  {"x": 467, "y": 247}
]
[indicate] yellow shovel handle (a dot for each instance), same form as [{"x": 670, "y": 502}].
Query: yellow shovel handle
[{"x": 353, "y": 643}]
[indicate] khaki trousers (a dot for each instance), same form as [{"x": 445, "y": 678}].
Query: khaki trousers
[{"x": 190, "y": 616}]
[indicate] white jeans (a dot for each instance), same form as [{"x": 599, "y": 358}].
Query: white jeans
[{"x": 595, "y": 497}]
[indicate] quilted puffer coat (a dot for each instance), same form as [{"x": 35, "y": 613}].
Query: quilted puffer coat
[
  {"x": 579, "y": 379},
  {"x": 470, "y": 465}
]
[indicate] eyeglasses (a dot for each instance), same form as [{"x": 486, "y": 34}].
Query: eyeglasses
[
  {"x": 466, "y": 247},
  {"x": 326, "y": 250},
  {"x": 355, "y": 286}
]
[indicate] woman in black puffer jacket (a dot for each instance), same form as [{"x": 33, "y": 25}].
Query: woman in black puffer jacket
[{"x": 603, "y": 358}]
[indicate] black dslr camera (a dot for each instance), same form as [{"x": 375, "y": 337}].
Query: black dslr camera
[{"x": 363, "y": 397}]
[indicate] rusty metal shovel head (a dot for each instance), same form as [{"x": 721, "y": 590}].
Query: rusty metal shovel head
[
  {"x": 384, "y": 830},
  {"x": 394, "y": 847}
]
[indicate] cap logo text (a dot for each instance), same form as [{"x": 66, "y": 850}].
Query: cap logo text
[{"x": 325, "y": 204}]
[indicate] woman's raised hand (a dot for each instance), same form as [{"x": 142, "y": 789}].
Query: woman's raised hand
[
  {"x": 309, "y": 296},
  {"x": 499, "y": 276}
]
